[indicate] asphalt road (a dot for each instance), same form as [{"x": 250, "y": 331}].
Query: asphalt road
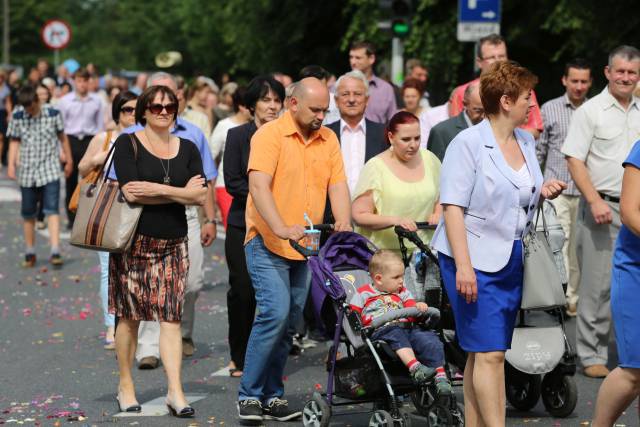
[{"x": 54, "y": 371}]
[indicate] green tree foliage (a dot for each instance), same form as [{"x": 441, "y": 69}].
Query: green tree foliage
[{"x": 246, "y": 37}]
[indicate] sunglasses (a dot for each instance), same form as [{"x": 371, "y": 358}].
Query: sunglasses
[
  {"x": 128, "y": 110},
  {"x": 157, "y": 108}
]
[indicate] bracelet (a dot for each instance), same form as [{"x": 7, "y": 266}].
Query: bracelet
[{"x": 208, "y": 221}]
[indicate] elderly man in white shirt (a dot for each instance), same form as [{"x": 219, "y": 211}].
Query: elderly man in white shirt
[
  {"x": 360, "y": 138},
  {"x": 601, "y": 135}
]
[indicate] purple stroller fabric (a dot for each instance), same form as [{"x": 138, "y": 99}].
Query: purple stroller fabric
[{"x": 344, "y": 250}]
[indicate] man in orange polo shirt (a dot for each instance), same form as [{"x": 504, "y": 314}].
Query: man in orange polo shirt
[{"x": 294, "y": 164}]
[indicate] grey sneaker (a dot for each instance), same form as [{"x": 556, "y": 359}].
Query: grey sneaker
[
  {"x": 422, "y": 374},
  {"x": 250, "y": 410},
  {"x": 279, "y": 410}
]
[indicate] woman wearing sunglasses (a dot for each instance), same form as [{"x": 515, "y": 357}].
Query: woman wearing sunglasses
[
  {"x": 122, "y": 111},
  {"x": 163, "y": 173}
]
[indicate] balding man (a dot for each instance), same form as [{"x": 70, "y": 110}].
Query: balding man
[
  {"x": 294, "y": 163},
  {"x": 443, "y": 133}
]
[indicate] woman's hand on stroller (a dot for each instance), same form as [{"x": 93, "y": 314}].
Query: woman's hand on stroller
[
  {"x": 466, "y": 284},
  {"x": 406, "y": 223},
  {"x": 342, "y": 226}
]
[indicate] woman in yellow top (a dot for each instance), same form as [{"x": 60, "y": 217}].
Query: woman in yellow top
[{"x": 399, "y": 186}]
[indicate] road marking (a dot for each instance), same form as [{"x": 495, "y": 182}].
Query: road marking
[
  {"x": 8, "y": 194},
  {"x": 157, "y": 407},
  {"x": 224, "y": 372}
]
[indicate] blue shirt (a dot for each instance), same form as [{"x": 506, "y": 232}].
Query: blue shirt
[
  {"x": 186, "y": 130},
  {"x": 626, "y": 255}
]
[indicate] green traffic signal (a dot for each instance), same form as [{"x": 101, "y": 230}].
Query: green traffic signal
[{"x": 400, "y": 28}]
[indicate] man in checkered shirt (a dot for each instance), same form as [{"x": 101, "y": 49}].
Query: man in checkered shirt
[
  {"x": 556, "y": 115},
  {"x": 35, "y": 131}
]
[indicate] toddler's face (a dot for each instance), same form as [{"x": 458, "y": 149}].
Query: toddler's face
[{"x": 391, "y": 279}]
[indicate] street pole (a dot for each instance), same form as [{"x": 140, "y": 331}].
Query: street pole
[
  {"x": 5, "y": 32},
  {"x": 397, "y": 62}
]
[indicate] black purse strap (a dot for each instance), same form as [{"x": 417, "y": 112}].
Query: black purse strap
[{"x": 110, "y": 157}]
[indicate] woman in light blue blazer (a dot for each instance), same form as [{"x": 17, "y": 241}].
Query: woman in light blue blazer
[{"x": 490, "y": 187}]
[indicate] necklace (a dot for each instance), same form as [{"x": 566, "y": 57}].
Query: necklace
[{"x": 167, "y": 179}]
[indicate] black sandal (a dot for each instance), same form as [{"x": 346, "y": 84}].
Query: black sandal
[{"x": 234, "y": 371}]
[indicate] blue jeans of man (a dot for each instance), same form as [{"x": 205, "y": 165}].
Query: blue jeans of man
[{"x": 281, "y": 286}]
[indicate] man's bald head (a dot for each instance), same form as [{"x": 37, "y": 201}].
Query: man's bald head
[
  {"x": 310, "y": 87},
  {"x": 309, "y": 104},
  {"x": 473, "y": 103}
]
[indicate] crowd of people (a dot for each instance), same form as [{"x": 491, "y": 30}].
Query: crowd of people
[{"x": 361, "y": 154}]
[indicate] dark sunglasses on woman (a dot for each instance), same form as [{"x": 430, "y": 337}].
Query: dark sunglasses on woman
[{"x": 157, "y": 108}]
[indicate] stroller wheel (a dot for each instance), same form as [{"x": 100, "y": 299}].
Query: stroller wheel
[
  {"x": 522, "y": 389},
  {"x": 559, "y": 395},
  {"x": 381, "y": 418},
  {"x": 316, "y": 412}
]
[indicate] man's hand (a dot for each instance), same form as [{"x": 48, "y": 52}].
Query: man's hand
[
  {"x": 294, "y": 232},
  {"x": 208, "y": 234},
  {"x": 422, "y": 306},
  {"x": 601, "y": 212},
  {"x": 342, "y": 226},
  {"x": 68, "y": 169},
  {"x": 11, "y": 171}
]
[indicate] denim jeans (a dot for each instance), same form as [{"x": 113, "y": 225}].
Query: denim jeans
[
  {"x": 104, "y": 289},
  {"x": 281, "y": 288},
  {"x": 50, "y": 200}
]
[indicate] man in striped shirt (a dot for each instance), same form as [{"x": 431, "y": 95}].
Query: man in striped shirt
[{"x": 556, "y": 116}]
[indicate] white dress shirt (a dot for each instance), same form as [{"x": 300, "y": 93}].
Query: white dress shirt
[{"x": 353, "y": 143}]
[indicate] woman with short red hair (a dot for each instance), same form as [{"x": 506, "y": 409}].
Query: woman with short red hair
[
  {"x": 491, "y": 186},
  {"x": 397, "y": 187}
]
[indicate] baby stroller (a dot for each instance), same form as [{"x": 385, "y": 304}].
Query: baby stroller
[
  {"x": 539, "y": 346},
  {"x": 369, "y": 372}
]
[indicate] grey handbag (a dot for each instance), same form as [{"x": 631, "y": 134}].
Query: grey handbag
[
  {"x": 542, "y": 287},
  {"x": 105, "y": 221}
]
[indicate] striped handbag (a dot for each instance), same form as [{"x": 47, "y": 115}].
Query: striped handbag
[{"x": 105, "y": 221}]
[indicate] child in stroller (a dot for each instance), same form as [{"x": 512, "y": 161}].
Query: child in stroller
[{"x": 387, "y": 292}]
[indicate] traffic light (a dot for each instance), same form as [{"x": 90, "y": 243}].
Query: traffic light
[{"x": 400, "y": 13}]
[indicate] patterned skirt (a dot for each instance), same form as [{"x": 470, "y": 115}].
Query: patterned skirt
[{"x": 148, "y": 281}]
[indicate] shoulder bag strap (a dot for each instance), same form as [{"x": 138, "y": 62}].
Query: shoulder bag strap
[
  {"x": 107, "y": 140},
  {"x": 135, "y": 156}
]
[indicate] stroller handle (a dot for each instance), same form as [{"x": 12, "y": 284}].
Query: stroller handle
[
  {"x": 421, "y": 226},
  {"x": 431, "y": 316},
  {"x": 307, "y": 252}
]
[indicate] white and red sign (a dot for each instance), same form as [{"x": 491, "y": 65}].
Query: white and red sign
[{"x": 56, "y": 34}]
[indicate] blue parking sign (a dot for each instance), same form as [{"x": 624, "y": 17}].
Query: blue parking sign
[{"x": 478, "y": 18}]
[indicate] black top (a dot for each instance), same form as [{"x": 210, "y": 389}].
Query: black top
[
  {"x": 236, "y": 162},
  {"x": 165, "y": 221}
]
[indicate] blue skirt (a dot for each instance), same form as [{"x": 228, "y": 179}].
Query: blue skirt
[
  {"x": 625, "y": 300},
  {"x": 486, "y": 325}
]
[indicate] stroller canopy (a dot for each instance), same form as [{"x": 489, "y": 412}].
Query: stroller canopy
[{"x": 342, "y": 251}]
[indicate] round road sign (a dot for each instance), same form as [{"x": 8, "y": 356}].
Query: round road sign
[{"x": 56, "y": 34}]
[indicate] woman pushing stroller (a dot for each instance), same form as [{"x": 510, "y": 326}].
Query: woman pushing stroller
[{"x": 420, "y": 350}]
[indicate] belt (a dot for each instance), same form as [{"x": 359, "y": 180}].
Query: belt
[{"x": 609, "y": 198}]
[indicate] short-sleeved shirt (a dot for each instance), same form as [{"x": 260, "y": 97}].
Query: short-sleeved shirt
[
  {"x": 163, "y": 221},
  {"x": 556, "y": 114},
  {"x": 456, "y": 105},
  {"x": 601, "y": 134},
  {"x": 395, "y": 197},
  {"x": 370, "y": 303},
  {"x": 39, "y": 145},
  {"x": 301, "y": 175}
]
